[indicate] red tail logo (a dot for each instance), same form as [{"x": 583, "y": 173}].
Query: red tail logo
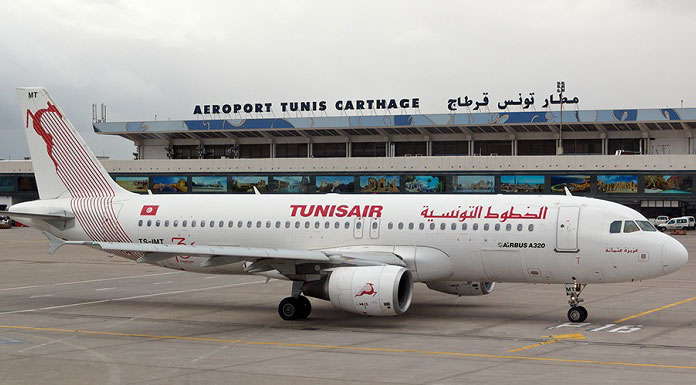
[
  {"x": 149, "y": 210},
  {"x": 368, "y": 289},
  {"x": 36, "y": 123}
]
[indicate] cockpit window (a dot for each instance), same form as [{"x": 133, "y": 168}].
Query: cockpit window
[
  {"x": 630, "y": 226},
  {"x": 615, "y": 227},
  {"x": 646, "y": 226}
]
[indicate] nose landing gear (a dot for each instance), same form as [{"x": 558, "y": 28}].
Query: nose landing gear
[{"x": 576, "y": 313}]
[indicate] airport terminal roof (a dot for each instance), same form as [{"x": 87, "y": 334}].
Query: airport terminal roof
[{"x": 646, "y": 120}]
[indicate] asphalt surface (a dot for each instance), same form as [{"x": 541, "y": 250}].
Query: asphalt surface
[{"x": 81, "y": 317}]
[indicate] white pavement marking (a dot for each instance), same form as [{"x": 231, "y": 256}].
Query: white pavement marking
[
  {"x": 91, "y": 280},
  {"x": 41, "y": 296},
  {"x": 161, "y": 283},
  {"x": 105, "y": 288},
  {"x": 132, "y": 297}
]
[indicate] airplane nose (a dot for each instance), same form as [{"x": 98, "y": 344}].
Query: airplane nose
[{"x": 674, "y": 255}]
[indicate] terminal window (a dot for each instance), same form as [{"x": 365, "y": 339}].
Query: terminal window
[
  {"x": 369, "y": 149},
  {"x": 410, "y": 148},
  {"x": 329, "y": 150},
  {"x": 492, "y": 147},
  {"x": 450, "y": 148}
]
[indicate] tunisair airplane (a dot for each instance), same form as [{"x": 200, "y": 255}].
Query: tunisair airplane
[{"x": 361, "y": 252}]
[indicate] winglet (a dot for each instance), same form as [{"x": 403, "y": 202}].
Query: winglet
[
  {"x": 256, "y": 191},
  {"x": 567, "y": 191},
  {"x": 54, "y": 243}
]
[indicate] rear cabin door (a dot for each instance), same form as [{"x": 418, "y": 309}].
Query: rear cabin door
[{"x": 567, "y": 229}]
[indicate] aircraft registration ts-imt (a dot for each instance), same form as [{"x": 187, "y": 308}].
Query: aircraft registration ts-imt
[{"x": 361, "y": 252}]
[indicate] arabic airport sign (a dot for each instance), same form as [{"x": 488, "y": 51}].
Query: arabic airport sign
[{"x": 371, "y": 105}]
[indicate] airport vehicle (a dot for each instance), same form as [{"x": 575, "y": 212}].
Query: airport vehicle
[
  {"x": 5, "y": 222},
  {"x": 660, "y": 220},
  {"x": 692, "y": 222},
  {"x": 680, "y": 223},
  {"x": 361, "y": 252}
]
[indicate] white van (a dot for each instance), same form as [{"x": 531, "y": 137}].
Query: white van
[
  {"x": 692, "y": 222},
  {"x": 681, "y": 223},
  {"x": 660, "y": 220}
]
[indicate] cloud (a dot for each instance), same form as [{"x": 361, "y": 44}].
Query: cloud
[{"x": 163, "y": 57}]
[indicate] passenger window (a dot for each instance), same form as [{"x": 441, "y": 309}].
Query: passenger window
[
  {"x": 347, "y": 225},
  {"x": 212, "y": 224},
  {"x": 149, "y": 223},
  {"x": 240, "y": 224},
  {"x": 454, "y": 226},
  {"x": 166, "y": 223},
  {"x": 464, "y": 226},
  {"x": 258, "y": 224},
  {"x": 421, "y": 226},
  {"x": 249, "y": 224},
  {"x": 183, "y": 223},
  {"x": 268, "y": 224},
  {"x": 316, "y": 224},
  {"x": 327, "y": 224},
  {"x": 175, "y": 223},
  {"x": 157, "y": 223},
  {"x": 277, "y": 224},
  {"x": 337, "y": 225},
  {"x": 221, "y": 224},
  {"x": 390, "y": 225},
  {"x": 508, "y": 227},
  {"x": 401, "y": 225},
  {"x": 297, "y": 224},
  {"x": 615, "y": 227},
  {"x": 531, "y": 228},
  {"x": 287, "y": 224},
  {"x": 474, "y": 227},
  {"x": 485, "y": 227},
  {"x": 432, "y": 226},
  {"x": 443, "y": 226},
  {"x": 630, "y": 226},
  {"x": 140, "y": 223},
  {"x": 306, "y": 224},
  {"x": 202, "y": 223},
  {"x": 193, "y": 223},
  {"x": 410, "y": 226},
  {"x": 519, "y": 227},
  {"x": 497, "y": 227},
  {"x": 230, "y": 224}
]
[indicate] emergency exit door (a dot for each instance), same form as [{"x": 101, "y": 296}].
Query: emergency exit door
[{"x": 567, "y": 229}]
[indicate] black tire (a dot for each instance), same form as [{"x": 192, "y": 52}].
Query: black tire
[
  {"x": 305, "y": 306},
  {"x": 290, "y": 309},
  {"x": 577, "y": 314}
]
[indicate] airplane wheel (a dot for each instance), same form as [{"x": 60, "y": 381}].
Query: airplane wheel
[
  {"x": 306, "y": 307},
  {"x": 290, "y": 309},
  {"x": 577, "y": 314}
]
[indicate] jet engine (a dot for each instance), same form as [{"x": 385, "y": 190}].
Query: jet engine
[
  {"x": 462, "y": 288},
  {"x": 370, "y": 290}
]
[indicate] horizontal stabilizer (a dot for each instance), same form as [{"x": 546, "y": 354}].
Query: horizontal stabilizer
[{"x": 61, "y": 216}]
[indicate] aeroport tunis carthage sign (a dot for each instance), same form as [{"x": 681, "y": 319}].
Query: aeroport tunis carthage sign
[{"x": 372, "y": 104}]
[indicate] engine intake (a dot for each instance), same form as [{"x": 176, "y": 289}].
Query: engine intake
[
  {"x": 462, "y": 288},
  {"x": 370, "y": 290}
]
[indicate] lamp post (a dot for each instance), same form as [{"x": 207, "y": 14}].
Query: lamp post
[{"x": 560, "y": 88}]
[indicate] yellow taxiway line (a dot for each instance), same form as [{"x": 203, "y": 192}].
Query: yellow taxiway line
[
  {"x": 353, "y": 348},
  {"x": 655, "y": 310},
  {"x": 554, "y": 338}
]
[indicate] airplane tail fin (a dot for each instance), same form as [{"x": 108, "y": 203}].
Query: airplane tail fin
[{"x": 63, "y": 164}]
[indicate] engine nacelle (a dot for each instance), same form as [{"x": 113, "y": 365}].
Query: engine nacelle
[
  {"x": 462, "y": 288},
  {"x": 370, "y": 290}
]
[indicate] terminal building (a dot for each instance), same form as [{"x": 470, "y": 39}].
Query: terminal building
[{"x": 643, "y": 158}]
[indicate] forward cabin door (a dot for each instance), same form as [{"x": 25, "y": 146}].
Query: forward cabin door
[{"x": 567, "y": 229}]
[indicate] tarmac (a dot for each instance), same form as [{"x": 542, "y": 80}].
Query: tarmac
[{"x": 82, "y": 317}]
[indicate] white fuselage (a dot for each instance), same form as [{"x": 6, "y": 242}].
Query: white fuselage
[{"x": 501, "y": 238}]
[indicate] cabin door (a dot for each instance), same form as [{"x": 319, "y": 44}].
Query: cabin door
[{"x": 567, "y": 229}]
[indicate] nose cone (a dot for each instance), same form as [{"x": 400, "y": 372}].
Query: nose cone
[{"x": 674, "y": 255}]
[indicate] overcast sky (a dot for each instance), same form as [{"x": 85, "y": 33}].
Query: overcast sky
[{"x": 143, "y": 58}]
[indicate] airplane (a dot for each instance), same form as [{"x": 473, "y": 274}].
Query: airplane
[{"x": 361, "y": 252}]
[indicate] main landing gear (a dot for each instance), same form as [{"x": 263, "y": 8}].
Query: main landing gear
[
  {"x": 296, "y": 306},
  {"x": 576, "y": 313}
]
